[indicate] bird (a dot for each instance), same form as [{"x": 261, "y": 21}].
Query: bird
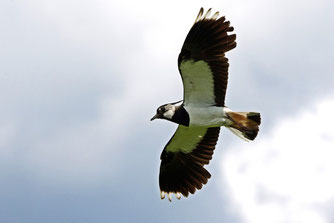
[{"x": 203, "y": 67}]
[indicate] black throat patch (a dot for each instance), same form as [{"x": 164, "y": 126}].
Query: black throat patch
[{"x": 181, "y": 116}]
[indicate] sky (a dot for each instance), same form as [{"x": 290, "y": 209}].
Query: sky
[{"x": 80, "y": 80}]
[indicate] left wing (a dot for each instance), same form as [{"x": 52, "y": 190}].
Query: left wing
[
  {"x": 202, "y": 62},
  {"x": 183, "y": 158}
]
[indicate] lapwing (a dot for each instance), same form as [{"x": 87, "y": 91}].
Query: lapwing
[{"x": 204, "y": 72}]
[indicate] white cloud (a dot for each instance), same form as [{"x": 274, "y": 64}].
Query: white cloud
[
  {"x": 286, "y": 175},
  {"x": 74, "y": 55},
  {"x": 70, "y": 121}
]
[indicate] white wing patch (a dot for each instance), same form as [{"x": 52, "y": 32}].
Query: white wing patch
[
  {"x": 186, "y": 139},
  {"x": 198, "y": 83}
]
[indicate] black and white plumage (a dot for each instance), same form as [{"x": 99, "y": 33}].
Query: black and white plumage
[{"x": 204, "y": 71}]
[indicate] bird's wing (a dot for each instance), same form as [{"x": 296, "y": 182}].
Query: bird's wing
[
  {"x": 202, "y": 62},
  {"x": 183, "y": 158}
]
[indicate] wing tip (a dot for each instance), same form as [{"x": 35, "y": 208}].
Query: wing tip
[
  {"x": 199, "y": 15},
  {"x": 192, "y": 180},
  {"x": 169, "y": 195},
  {"x": 206, "y": 16}
]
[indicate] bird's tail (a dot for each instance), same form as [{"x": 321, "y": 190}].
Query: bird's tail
[{"x": 244, "y": 124}]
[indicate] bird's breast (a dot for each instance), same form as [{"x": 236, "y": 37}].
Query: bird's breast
[{"x": 212, "y": 116}]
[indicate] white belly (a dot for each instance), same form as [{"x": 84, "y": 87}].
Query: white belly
[{"x": 207, "y": 116}]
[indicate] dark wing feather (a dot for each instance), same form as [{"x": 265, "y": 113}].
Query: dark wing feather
[
  {"x": 182, "y": 161},
  {"x": 207, "y": 41}
]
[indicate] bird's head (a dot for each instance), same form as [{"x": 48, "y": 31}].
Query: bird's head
[{"x": 165, "y": 111}]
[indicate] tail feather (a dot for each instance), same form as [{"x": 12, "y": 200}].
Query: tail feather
[
  {"x": 245, "y": 124},
  {"x": 238, "y": 133},
  {"x": 255, "y": 116}
]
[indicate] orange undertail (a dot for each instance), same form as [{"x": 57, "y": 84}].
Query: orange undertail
[{"x": 245, "y": 124}]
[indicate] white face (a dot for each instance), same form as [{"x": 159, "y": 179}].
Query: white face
[
  {"x": 170, "y": 111},
  {"x": 169, "y": 114}
]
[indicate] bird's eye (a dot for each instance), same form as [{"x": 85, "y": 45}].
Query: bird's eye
[{"x": 163, "y": 109}]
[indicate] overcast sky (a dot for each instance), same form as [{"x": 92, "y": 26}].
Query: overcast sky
[{"x": 79, "y": 81}]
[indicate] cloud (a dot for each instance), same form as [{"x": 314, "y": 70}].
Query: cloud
[
  {"x": 80, "y": 80},
  {"x": 76, "y": 84},
  {"x": 287, "y": 174},
  {"x": 7, "y": 133},
  {"x": 282, "y": 50}
]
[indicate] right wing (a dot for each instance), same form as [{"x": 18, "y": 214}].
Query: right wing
[{"x": 183, "y": 158}]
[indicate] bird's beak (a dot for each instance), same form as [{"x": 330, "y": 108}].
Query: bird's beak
[{"x": 155, "y": 116}]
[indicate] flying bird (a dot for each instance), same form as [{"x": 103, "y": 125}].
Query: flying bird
[{"x": 204, "y": 72}]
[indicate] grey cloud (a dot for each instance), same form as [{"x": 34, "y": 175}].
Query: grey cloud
[{"x": 80, "y": 80}]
